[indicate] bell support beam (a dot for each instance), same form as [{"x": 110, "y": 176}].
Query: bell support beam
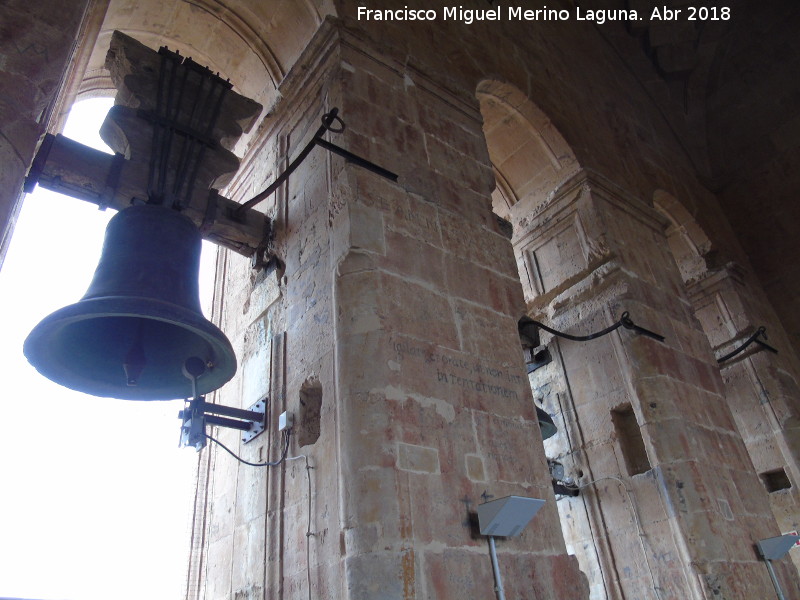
[
  {"x": 172, "y": 126},
  {"x": 233, "y": 412},
  {"x": 70, "y": 168}
]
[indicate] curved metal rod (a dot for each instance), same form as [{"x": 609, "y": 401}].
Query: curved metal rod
[
  {"x": 327, "y": 122},
  {"x": 579, "y": 338},
  {"x": 624, "y": 321},
  {"x": 760, "y": 332}
]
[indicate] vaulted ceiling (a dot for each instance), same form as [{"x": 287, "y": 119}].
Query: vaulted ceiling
[
  {"x": 252, "y": 42},
  {"x": 729, "y": 89}
]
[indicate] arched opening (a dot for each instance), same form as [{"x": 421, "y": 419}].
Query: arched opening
[
  {"x": 531, "y": 161},
  {"x": 86, "y": 481},
  {"x": 687, "y": 241},
  {"x": 729, "y": 312},
  {"x": 529, "y": 156},
  {"x": 104, "y": 462},
  {"x": 252, "y": 44}
]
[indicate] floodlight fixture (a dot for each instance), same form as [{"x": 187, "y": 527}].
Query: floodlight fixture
[
  {"x": 775, "y": 548},
  {"x": 505, "y": 517}
]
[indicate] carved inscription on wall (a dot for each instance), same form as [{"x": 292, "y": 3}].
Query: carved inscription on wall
[
  {"x": 456, "y": 371},
  {"x": 506, "y": 446}
]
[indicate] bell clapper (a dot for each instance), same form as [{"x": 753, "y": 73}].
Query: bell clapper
[
  {"x": 135, "y": 360},
  {"x": 193, "y": 368}
]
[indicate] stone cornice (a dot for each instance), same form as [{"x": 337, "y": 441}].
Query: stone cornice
[
  {"x": 562, "y": 202},
  {"x": 712, "y": 282}
]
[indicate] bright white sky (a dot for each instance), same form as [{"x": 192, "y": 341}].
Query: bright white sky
[{"x": 95, "y": 495}]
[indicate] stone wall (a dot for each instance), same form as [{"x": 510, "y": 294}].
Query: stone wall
[
  {"x": 388, "y": 324},
  {"x": 398, "y": 328},
  {"x": 398, "y": 309},
  {"x": 669, "y": 503},
  {"x": 37, "y": 41}
]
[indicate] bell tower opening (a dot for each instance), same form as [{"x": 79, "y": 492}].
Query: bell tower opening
[
  {"x": 112, "y": 485},
  {"x": 531, "y": 160}
]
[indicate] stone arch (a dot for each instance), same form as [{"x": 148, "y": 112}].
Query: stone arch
[
  {"x": 729, "y": 311},
  {"x": 251, "y": 43},
  {"x": 532, "y": 162},
  {"x": 687, "y": 240},
  {"x": 529, "y": 156}
]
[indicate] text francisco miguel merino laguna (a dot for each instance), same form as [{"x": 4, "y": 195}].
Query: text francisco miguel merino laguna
[{"x": 516, "y": 13}]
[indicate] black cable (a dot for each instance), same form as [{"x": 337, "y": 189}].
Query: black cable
[{"x": 287, "y": 435}]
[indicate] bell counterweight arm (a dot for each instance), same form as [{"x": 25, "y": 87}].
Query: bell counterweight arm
[
  {"x": 327, "y": 125},
  {"x": 761, "y": 332}
]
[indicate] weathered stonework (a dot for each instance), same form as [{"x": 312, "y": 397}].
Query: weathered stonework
[
  {"x": 440, "y": 412},
  {"x": 388, "y": 325},
  {"x": 36, "y": 45},
  {"x": 761, "y": 387},
  {"x": 592, "y": 252}
]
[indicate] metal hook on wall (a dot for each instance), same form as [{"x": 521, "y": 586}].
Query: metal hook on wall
[
  {"x": 761, "y": 332},
  {"x": 327, "y": 121},
  {"x": 624, "y": 321}
]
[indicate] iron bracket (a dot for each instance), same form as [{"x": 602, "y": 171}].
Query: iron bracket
[
  {"x": 624, "y": 321},
  {"x": 761, "y": 332},
  {"x": 199, "y": 413},
  {"x": 112, "y": 181},
  {"x": 327, "y": 125},
  {"x": 211, "y": 211},
  {"x": 39, "y": 162},
  {"x": 256, "y": 427}
]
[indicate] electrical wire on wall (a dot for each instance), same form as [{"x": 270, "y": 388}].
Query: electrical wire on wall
[
  {"x": 309, "y": 535},
  {"x": 286, "y": 435},
  {"x": 284, "y": 458},
  {"x": 656, "y": 588},
  {"x": 572, "y": 447},
  {"x": 640, "y": 530}
]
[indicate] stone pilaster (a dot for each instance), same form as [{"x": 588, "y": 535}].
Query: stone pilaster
[
  {"x": 670, "y": 505},
  {"x": 761, "y": 387},
  {"x": 393, "y": 335},
  {"x": 37, "y": 42}
]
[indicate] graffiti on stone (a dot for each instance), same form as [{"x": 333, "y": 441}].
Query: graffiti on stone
[{"x": 460, "y": 372}]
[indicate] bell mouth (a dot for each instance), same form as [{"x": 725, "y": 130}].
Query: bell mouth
[
  {"x": 546, "y": 424},
  {"x": 87, "y": 345}
]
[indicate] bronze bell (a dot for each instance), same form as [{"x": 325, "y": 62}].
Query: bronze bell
[
  {"x": 140, "y": 319},
  {"x": 536, "y": 355},
  {"x": 546, "y": 424}
]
